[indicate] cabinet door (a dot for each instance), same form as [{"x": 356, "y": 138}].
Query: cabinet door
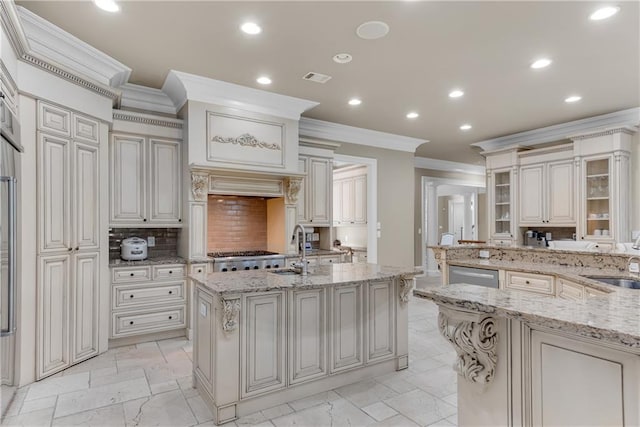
[
  {"x": 86, "y": 190},
  {"x": 85, "y": 292},
  {"x": 381, "y": 320},
  {"x": 320, "y": 190},
  {"x": 128, "y": 183},
  {"x": 53, "y": 314},
  {"x": 337, "y": 202},
  {"x": 346, "y": 211},
  {"x": 307, "y": 335},
  {"x": 303, "y": 214},
  {"x": 54, "y": 119},
  {"x": 561, "y": 195},
  {"x": 203, "y": 345},
  {"x": 532, "y": 194},
  {"x": 360, "y": 199},
  {"x": 165, "y": 191},
  {"x": 54, "y": 170},
  {"x": 346, "y": 346},
  {"x": 569, "y": 290},
  {"x": 263, "y": 355}
]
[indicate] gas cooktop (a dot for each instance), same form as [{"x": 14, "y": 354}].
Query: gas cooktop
[{"x": 240, "y": 254}]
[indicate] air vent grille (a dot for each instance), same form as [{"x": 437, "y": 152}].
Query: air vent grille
[{"x": 317, "y": 77}]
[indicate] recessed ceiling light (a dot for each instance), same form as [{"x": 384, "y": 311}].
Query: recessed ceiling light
[
  {"x": 251, "y": 28},
  {"x": 355, "y": 101},
  {"x": 541, "y": 63},
  {"x": 573, "y": 98},
  {"x": 465, "y": 127},
  {"x": 457, "y": 93},
  {"x": 264, "y": 80},
  {"x": 372, "y": 30},
  {"x": 604, "y": 13},
  {"x": 342, "y": 58},
  {"x": 412, "y": 115},
  {"x": 108, "y": 5}
]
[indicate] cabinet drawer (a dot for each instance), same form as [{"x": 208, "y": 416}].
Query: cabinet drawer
[
  {"x": 536, "y": 283},
  {"x": 148, "y": 321},
  {"x": 198, "y": 269},
  {"x": 124, "y": 296},
  {"x": 326, "y": 260},
  {"x": 569, "y": 290},
  {"x": 591, "y": 292},
  {"x": 130, "y": 274},
  {"x": 163, "y": 272},
  {"x": 54, "y": 119},
  {"x": 85, "y": 128}
]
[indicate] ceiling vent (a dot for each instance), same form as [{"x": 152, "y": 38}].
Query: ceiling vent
[{"x": 317, "y": 77}]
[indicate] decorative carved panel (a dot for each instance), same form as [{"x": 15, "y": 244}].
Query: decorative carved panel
[
  {"x": 292, "y": 188},
  {"x": 199, "y": 186},
  {"x": 230, "y": 312}
]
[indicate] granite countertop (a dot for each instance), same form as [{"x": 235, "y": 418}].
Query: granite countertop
[
  {"x": 149, "y": 261},
  {"x": 614, "y": 317},
  {"x": 537, "y": 249},
  {"x": 572, "y": 273},
  {"x": 266, "y": 280}
]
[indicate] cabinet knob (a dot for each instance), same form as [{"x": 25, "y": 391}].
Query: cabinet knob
[
  {"x": 131, "y": 274},
  {"x": 199, "y": 270},
  {"x": 77, "y": 248},
  {"x": 144, "y": 220},
  {"x": 170, "y": 271},
  {"x": 70, "y": 249},
  {"x": 170, "y": 292},
  {"x": 179, "y": 220},
  {"x": 131, "y": 323},
  {"x": 130, "y": 296},
  {"x": 527, "y": 282},
  {"x": 170, "y": 317}
]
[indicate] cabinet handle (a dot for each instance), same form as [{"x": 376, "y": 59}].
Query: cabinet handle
[
  {"x": 131, "y": 323},
  {"x": 130, "y": 296},
  {"x": 170, "y": 317}
]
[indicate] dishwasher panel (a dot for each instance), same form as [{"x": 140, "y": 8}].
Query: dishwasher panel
[{"x": 473, "y": 276}]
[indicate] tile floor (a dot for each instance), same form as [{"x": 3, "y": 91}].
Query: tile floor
[{"x": 150, "y": 384}]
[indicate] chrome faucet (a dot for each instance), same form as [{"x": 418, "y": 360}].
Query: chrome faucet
[
  {"x": 636, "y": 245},
  {"x": 302, "y": 265}
]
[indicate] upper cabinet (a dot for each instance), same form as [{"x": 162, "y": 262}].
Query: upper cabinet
[
  {"x": 350, "y": 197},
  {"x": 502, "y": 196},
  {"x": 145, "y": 178},
  {"x": 314, "y": 198}
]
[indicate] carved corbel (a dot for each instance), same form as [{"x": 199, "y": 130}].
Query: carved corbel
[
  {"x": 474, "y": 337},
  {"x": 406, "y": 284},
  {"x": 230, "y": 313},
  {"x": 292, "y": 187},
  {"x": 199, "y": 184}
]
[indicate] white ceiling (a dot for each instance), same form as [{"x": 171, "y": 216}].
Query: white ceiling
[{"x": 484, "y": 48}]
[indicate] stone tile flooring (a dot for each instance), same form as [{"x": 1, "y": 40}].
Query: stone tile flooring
[{"x": 150, "y": 385}]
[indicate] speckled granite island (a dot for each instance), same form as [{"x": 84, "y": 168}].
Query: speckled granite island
[
  {"x": 263, "y": 338},
  {"x": 525, "y": 358}
]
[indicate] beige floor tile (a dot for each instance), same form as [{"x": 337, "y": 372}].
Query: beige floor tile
[
  {"x": 314, "y": 400},
  {"x": 366, "y": 392},
  {"x": 16, "y": 404},
  {"x": 186, "y": 385},
  {"x": 425, "y": 364},
  {"x": 164, "y": 387},
  {"x": 163, "y": 372},
  {"x": 442, "y": 423},
  {"x": 106, "y": 360},
  {"x": 396, "y": 421},
  {"x": 166, "y": 409},
  {"x": 439, "y": 382},
  {"x": 340, "y": 412},
  {"x": 200, "y": 409},
  {"x": 109, "y": 416},
  {"x": 117, "y": 378},
  {"x": 420, "y": 407},
  {"x": 453, "y": 419},
  {"x": 38, "y": 404},
  {"x": 96, "y": 373},
  {"x": 379, "y": 411},
  {"x": 31, "y": 419},
  {"x": 277, "y": 411},
  {"x": 97, "y": 397},
  {"x": 251, "y": 419},
  {"x": 58, "y": 385},
  {"x": 452, "y": 399}
]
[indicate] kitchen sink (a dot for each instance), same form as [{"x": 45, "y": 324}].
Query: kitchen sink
[
  {"x": 285, "y": 272},
  {"x": 617, "y": 281}
]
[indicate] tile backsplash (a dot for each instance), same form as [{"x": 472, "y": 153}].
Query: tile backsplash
[
  {"x": 237, "y": 223},
  {"x": 166, "y": 240}
]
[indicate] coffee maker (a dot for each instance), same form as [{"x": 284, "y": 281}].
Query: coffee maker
[{"x": 535, "y": 239}]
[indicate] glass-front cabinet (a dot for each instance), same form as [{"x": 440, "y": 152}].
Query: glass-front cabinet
[
  {"x": 501, "y": 206},
  {"x": 598, "y": 198}
]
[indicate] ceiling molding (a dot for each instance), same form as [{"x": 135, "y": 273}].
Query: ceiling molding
[
  {"x": 342, "y": 133},
  {"x": 629, "y": 130},
  {"x": 446, "y": 165},
  {"x": 51, "y": 42},
  {"x": 181, "y": 87},
  {"x": 316, "y": 143},
  {"x": 146, "y": 98},
  {"x": 148, "y": 119},
  {"x": 562, "y": 131}
]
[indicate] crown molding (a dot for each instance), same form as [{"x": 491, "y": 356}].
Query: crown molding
[
  {"x": 147, "y": 119},
  {"x": 342, "y": 133},
  {"x": 446, "y": 165},
  {"x": 629, "y": 130},
  {"x": 629, "y": 117},
  {"x": 181, "y": 87},
  {"x": 51, "y": 42},
  {"x": 146, "y": 98},
  {"x": 316, "y": 143}
]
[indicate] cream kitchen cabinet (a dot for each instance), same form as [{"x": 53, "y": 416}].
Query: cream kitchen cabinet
[
  {"x": 347, "y": 326},
  {"x": 145, "y": 176},
  {"x": 350, "y": 201},
  {"x": 547, "y": 194},
  {"x": 148, "y": 299},
  {"x": 69, "y": 238},
  {"x": 501, "y": 196},
  {"x": 314, "y": 198},
  {"x": 381, "y": 314}
]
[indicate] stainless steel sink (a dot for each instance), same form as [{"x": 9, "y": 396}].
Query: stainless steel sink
[{"x": 617, "y": 281}]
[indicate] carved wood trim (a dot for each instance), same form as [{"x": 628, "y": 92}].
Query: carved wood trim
[
  {"x": 230, "y": 313},
  {"x": 406, "y": 284},
  {"x": 474, "y": 337},
  {"x": 292, "y": 190},
  {"x": 199, "y": 186}
]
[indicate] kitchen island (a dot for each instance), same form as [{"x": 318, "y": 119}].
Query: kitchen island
[
  {"x": 527, "y": 359},
  {"x": 265, "y": 337}
]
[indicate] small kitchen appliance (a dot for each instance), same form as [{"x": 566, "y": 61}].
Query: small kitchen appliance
[
  {"x": 133, "y": 249},
  {"x": 535, "y": 238}
]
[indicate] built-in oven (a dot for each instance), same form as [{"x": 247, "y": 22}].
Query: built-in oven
[
  {"x": 473, "y": 276},
  {"x": 246, "y": 260}
]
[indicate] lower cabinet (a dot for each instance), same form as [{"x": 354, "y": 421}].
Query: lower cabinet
[
  {"x": 346, "y": 326},
  {"x": 148, "y": 299},
  {"x": 381, "y": 320},
  {"x": 68, "y": 293},
  {"x": 568, "y": 290},
  {"x": 536, "y": 283}
]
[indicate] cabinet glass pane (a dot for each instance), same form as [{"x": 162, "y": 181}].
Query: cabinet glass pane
[
  {"x": 502, "y": 191},
  {"x": 597, "y": 188}
]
